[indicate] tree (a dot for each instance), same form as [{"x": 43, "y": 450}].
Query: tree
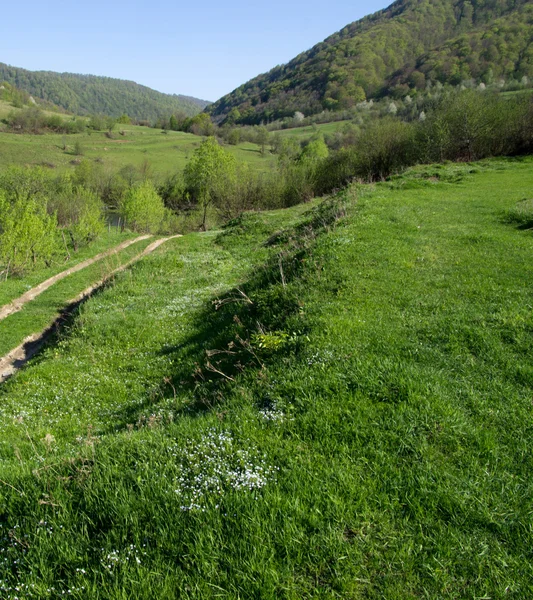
[
  {"x": 209, "y": 173},
  {"x": 79, "y": 211},
  {"x": 262, "y": 137},
  {"x": 173, "y": 123},
  {"x": 142, "y": 208},
  {"x": 28, "y": 233},
  {"x": 315, "y": 151}
]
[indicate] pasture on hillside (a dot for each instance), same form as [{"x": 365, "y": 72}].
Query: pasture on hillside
[
  {"x": 327, "y": 401},
  {"x": 152, "y": 149}
]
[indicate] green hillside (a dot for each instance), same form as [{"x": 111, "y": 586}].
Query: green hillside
[
  {"x": 84, "y": 94},
  {"x": 451, "y": 39},
  {"x": 325, "y": 403},
  {"x": 500, "y": 50}
]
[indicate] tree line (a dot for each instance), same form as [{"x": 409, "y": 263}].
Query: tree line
[{"x": 45, "y": 217}]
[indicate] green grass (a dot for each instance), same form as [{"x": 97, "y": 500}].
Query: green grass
[
  {"x": 310, "y": 130},
  {"x": 40, "y": 312},
  {"x": 14, "y": 287},
  {"x": 6, "y": 108},
  {"x": 164, "y": 153},
  {"x": 367, "y": 435}
]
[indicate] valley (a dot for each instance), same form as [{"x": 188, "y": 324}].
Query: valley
[{"x": 277, "y": 346}]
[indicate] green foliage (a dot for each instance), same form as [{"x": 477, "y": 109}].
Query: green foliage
[
  {"x": 446, "y": 40},
  {"x": 34, "y": 120},
  {"x": 78, "y": 148},
  {"x": 142, "y": 208},
  {"x": 101, "y": 122},
  {"x": 492, "y": 51},
  {"x": 209, "y": 174},
  {"x": 88, "y": 94},
  {"x": 79, "y": 211},
  {"x": 200, "y": 124},
  {"x": 471, "y": 125},
  {"x": 28, "y": 234},
  {"x": 24, "y": 183},
  {"x": 315, "y": 150}
]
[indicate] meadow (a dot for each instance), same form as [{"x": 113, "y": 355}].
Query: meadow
[
  {"x": 327, "y": 401},
  {"x": 142, "y": 147},
  {"x": 311, "y": 130}
]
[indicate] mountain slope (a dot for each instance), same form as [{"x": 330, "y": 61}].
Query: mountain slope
[
  {"x": 502, "y": 49},
  {"x": 363, "y": 58},
  {"x": 83, "y": 94}
]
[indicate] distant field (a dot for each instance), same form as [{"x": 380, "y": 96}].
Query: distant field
[
  {"x": 518, "y": 92},
  {"x": 303, "y": 132},
  {"x": 164, "y": 152},
  {"x": 7, "y": 107}
]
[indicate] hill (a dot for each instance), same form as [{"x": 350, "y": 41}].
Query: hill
[
  {"x": 86, "y": 94},
  {"x": 332, "y": 403},
  {"x": 403, "y": 45}
]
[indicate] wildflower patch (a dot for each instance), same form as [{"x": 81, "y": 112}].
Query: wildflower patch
[{"x": 215, "y": 466}]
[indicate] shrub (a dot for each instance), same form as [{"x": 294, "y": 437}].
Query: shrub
[
  {"x": 28, "y": 234},
  {"x": 142, "y": 208},
  {"x": 80, "y": 212}
]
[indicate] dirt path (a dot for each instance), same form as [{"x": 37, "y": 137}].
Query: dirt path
[
  {"x": 15, "y": 305},
  {"x": 19, "y": 356}
]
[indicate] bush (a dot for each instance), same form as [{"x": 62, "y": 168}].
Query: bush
[
  {"x": 28, "y": 234},
  {"x": 142, "y": 208},
  {"x": 80, "y": 212}
]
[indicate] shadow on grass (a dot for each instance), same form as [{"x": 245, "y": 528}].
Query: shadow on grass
[{"x": 241, "y": 330}]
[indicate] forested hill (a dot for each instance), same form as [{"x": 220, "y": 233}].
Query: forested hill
[
  {"x": 390, "y": 52},
  {"x": 84, "y": 94}
]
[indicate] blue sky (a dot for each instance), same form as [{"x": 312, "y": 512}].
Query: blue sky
[{"x": 203, "y": 49}]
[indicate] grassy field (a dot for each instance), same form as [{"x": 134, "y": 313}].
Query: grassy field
[
  {"x": 323, "y": 404},
  {"x": 310, "y": 130},
  {"x": 6, "y": 108},
  {"x": 162, "y": 153}
]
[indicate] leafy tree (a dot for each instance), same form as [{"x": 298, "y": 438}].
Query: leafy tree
[
  {"x": 79, "y": 211},
  {"x": 234, "y": 136},
  {"x": 315, "y": 151},
  {"x": 210, "y": 173},
  {"x": 28, "y": 234},
  {"x": 173, "y": 123},
  {"x": 262, "y": 137},
  {"x": 142, "y": 208}
]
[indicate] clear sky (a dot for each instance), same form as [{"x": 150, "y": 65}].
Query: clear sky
[{"x": 203, "y": 49}]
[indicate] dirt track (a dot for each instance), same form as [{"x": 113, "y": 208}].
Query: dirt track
[
  {"x": 15, "y": 305},
  {"x": 19, "y": 356}
]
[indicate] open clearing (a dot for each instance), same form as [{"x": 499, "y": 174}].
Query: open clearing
[
  {"x": 323, "y": 404},
  {"x": 143, "y": 147}
]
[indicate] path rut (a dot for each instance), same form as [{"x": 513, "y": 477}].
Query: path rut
[
  {"x": 17, "y": 304},
  {"x": 19, "y": 356}
]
